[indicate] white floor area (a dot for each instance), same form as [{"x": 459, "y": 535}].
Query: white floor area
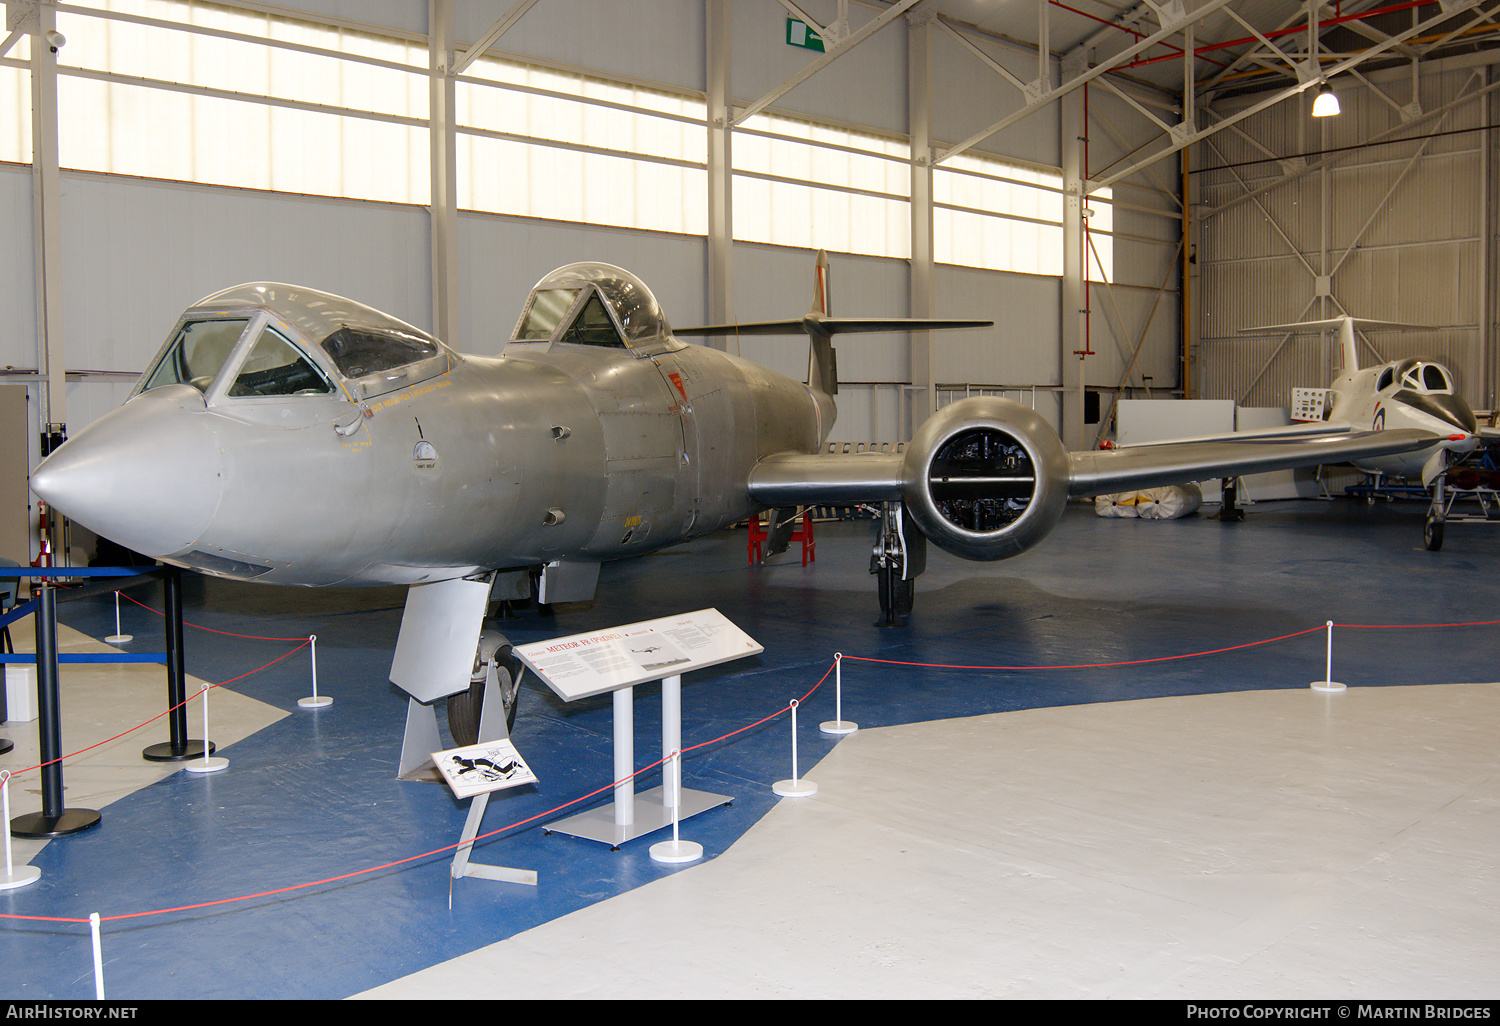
[
  {"x": 98, "y": 701},
  {"x": 1281, "y": 844}
]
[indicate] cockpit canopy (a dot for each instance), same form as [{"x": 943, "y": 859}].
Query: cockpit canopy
[
  {"x": 592, "y": 304},
  {"x": 1416, "y": 376},
  {"x": 269, "y": 340}
]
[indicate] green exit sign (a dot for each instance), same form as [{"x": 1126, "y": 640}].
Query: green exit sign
[{"x": 799, "y": 34}]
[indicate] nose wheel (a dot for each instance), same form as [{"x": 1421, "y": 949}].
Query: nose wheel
[
  {"x": 1432, "y": 527},
  {"x": 1432, "y": 532}
]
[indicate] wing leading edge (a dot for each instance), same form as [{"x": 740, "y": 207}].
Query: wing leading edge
[
  {"x": 789, "y": 479},
  {"x": 1149, "y": 466}
]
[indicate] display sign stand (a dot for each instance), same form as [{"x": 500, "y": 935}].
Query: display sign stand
[
  {"x": 615, "y": 660},
  {"x": 463, "y": 867},
  {"x": 474, "y": 772}
]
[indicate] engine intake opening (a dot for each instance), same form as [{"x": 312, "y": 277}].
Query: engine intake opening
[{"x": 981, "y": 480}]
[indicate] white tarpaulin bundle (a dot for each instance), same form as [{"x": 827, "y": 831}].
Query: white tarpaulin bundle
[{"x": 1167, "y": 503}]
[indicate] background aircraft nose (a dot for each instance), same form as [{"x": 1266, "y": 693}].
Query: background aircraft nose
[{"x": 147, "y": 476}]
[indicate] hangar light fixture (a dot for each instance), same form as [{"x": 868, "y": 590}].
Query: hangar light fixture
[{"x": 1327, "y": 104}]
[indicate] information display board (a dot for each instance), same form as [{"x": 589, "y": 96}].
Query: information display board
[{"x": 584, "y": 665}]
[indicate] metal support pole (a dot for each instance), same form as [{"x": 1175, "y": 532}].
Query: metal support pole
[
  {"x": 719, "y": 54},
  {"x": 923, "y": 253},
  {"x": 53, "y": 820},
  {"x": 180, "y": 747}
]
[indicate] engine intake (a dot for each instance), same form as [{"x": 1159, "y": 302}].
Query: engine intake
[{"x": 985, "y": 478}]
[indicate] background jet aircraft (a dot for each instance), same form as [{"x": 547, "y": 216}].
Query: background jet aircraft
[
  {"x": 289, "y": 436},
  {"x": 1399, "y": 394}
]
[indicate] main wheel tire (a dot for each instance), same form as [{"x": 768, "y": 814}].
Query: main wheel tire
[
  {"x": 896, "y": 596},
  {"x": 466, "y": 707}
]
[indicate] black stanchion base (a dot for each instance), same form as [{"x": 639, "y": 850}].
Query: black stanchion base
[
  {"x": 37, "y": 824},
  {"x": 6, "y": 744},
  {"x": 166, "y": 752}
]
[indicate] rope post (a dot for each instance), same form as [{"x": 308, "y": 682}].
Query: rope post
[
  {"x": 118, "y": 637},
  {"x": 314, "y": 702},
  {"x": 838, "y": 725},
  {"x": 26, "y": 874},
  {"x": 98, "y": 957},
  {"x": 795, "y": 787},
  {"x": 209, "y": 764},
  {"x": 676, "y": 850},
  {"x": 1328, "y": 683}
]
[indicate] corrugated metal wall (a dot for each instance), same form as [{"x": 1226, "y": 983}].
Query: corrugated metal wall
[
  {"x": 139, "y": 250},
  {"x": 1401, "y": 239}
]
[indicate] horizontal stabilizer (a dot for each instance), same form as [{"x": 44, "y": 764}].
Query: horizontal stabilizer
[
  {"x": 1346, "y": 326},
  {"x": 818, "y": 324},
  {"x": 1358, "y": 323}
]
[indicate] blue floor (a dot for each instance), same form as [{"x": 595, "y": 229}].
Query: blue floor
[{"x": 315, "y": 796}]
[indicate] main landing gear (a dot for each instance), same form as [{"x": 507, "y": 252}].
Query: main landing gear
[{"x": 897, "y": 560}]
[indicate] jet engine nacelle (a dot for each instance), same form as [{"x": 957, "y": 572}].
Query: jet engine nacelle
[{"x": 985, "y": 478}]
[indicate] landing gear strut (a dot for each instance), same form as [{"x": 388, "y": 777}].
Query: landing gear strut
[
  {"x": 1432, "y": 528},
  {"x": 898, "y": 559}
]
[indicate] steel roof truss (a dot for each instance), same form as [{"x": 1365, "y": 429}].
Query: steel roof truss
[
  {"x": 1179, "y": 141},
  {"x": 1087, "y": 76}
]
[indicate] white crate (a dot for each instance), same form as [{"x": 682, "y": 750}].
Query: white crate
[{"x": 20, "y": 693}]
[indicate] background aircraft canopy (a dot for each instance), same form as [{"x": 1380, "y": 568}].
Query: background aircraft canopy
[
  {"x": 572, "y": 295},
  {"x": 1418, "y": 376}
]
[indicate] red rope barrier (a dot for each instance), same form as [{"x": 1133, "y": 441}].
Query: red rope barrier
[
  {"x": 210, "y": 630},
  {"x": 553, "y": 811},
  {"x": 424, "y": 855},
  {"x": 168, "y": 711},
  {"x": 1092, "y": 666}
]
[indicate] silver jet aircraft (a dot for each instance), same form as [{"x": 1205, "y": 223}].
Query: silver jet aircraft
[{"x": 288, "y": 436}]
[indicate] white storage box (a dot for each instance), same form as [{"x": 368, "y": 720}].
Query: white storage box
[{"x": 20, "y": 693}]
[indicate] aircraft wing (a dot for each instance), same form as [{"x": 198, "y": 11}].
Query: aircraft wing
[
  {"x": 789, "y": 479},
  {"x": 1149, "y": 466}
]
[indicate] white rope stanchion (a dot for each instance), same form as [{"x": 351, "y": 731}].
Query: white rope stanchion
[
  {"x": 838, "y": 725},
  {"x": 98, "y": 957},
  {"x": 1328, "y": 683},
  {"x": 675, "y": 850},
  {"x": 208, "y": 765},
  {"x": 794, "y": 788},
  {"x": 14, "y": 877},
  {"x": 315, "y": 701},
  {"x": 118, "y": 638}
]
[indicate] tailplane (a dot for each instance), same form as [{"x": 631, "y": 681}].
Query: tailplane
[
  {"x": 820, "y": 327},
  {"x": 1346, "y": 326}
]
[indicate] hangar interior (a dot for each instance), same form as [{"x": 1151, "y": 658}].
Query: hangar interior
[{"x": 1122, "y": 187}]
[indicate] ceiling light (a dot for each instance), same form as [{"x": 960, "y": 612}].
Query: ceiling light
[{"x": 1327, "y": 104}]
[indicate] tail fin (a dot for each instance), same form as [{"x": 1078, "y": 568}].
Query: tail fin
[
  {"x": 822, "y": 359},
  {"x": 820, "y": 284},
  {"x": 1346, "y": 325},
  {"x": 822, "y": 372}
]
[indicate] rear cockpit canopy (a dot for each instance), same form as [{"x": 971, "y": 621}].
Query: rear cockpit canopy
[
  {"x": 593, "y": 304},
  {"x": 264, "y": 340},
  {"x": 1416, "y": 376}
]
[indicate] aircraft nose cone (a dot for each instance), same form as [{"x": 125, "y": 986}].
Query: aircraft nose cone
[{"x": 147, "y": 476}]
